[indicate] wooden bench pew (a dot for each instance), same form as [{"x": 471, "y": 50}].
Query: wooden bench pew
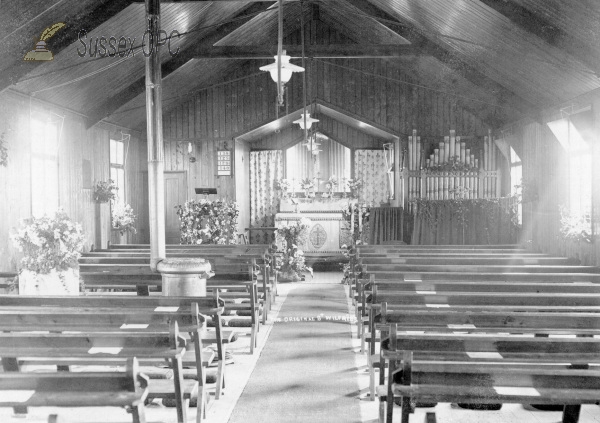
[
  {"x": 240, "y": 296},
  {"x": 501, "y": 320},
  {"x": 127, "y": 389},
  {"x": 541, "y": 286},
  {"x": 105, "y": 349},
  {"x": 416, "y": 268},
  {"x": 470, "y": 260},
  {"x": 96, "y": 270},
  {"x": 490, "y": 368},
  {"x": 501, "y": 300},
  {"x": 104, "y": 320},
  {"x": 186, "y": 311}
]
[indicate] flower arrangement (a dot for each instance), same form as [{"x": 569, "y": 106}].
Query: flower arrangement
[
  {"x": 575, "y": 226},
  {"x": 49, "y": 243},
  {"x": 3, "y": 151},
  {"x": 123, "y": 218},
  {"x": 354, "y": 185},
  {"x": 208, "y": 222},
  {"x": 289, "y": 237},
  {"x": 330, "y": 185},
  {"x": 105, "y": 191},
  {"x": 307, "y": 184},
  {"x": 284, "y": 186}
]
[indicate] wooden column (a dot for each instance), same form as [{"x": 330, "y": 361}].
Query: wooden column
[
  {"x": 156, "y": 195},
  {"x": 398, "y": 194}
]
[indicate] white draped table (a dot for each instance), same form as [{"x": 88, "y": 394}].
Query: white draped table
[{"x": 327, "y": 231}]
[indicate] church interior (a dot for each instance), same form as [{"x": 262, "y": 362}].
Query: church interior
[{"x": 299, "y": 210}]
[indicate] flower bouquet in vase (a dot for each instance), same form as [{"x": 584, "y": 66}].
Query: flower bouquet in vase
[
  {"x": 123, "y": 219},
  {"x": 354, "y": 185},
  {"x": 291, "y": 263},
  {"x": 51, "y": 247},
  {"x": 307, "y": 184},
  {"x": 330, "y": 186}
]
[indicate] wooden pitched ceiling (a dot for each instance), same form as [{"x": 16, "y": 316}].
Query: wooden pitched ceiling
[{"x": 522, "y": 55}]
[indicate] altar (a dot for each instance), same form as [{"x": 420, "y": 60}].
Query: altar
[{"x": 328, "y": 230}]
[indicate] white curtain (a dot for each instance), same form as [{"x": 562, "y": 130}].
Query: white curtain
[
  {"x": 334, "y": 159},
  {"x": 370, "y": 167},
  {"x": 265, "y": 168}
]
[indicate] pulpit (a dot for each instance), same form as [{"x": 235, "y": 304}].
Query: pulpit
[{"x": 328, "y": 230}]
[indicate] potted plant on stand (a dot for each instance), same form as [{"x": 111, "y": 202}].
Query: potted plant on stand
[
  {"x": 123, "y": 220},
  {"x": 104, "y": 193},
  {"x": 291, "y": 263},
  {"x": 51, "y": 246}
]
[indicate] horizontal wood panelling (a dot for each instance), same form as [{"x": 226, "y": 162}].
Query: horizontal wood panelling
[
  {"x": 232, "y": 109},
  {"x": 76, "y": 144}
]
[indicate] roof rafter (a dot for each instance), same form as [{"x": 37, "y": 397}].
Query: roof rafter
[
  {"x": 103, "y": 11},
  {"x": 330, "y": 51},
  {"x": 542, "y": 28},
  {"x": 506, "y": 97},
  {"x": 138, "y": 86}
]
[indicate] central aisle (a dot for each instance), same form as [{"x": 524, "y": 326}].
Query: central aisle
[{"x": 306, "y": 372}]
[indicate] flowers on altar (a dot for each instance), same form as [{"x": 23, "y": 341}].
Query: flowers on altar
[
  {"x": 105, "y": 191},
  {"x": 330, "y": 185},
  {"x": 123, "y": 218},
  {"x": 354, "y": 185},
  {"x": 307, "y": 184},
  {"x": 208, "y": 222},
  {"x": 49, "y": 243},
  {"x": 284, "y": 186}
]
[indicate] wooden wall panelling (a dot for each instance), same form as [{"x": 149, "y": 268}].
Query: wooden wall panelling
[{"x": 76, "y": 144}]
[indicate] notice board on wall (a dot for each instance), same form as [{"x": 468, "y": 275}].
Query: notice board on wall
[{"x": 223, "y": 163}]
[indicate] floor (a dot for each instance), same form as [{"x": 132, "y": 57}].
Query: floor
[{"x": 247, "y": 376}]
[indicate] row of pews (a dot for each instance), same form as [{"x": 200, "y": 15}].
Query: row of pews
[
  {"x": 146, "y": 346},
  {"x": 477, "y": 325}
]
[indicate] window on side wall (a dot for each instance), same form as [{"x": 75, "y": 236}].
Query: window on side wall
[
  {"x": 117, "y": 168},
  {"x": 575, "y": 134},
  {"x": 44, "y": 166},
  {"x": 516, "y": 181}
]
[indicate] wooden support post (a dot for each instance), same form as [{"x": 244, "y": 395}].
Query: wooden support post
[
  {"x": 398, "y": 195},
  {"x": 156, "y": 197}
]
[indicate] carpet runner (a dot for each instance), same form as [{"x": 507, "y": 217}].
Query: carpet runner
[{"x": 306, "y": 372}]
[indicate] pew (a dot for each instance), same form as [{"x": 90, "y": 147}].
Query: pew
[
  {"x": 484, "y": 368},
  {"x": 106, "y": 349},
  {"x": 87, "y": 389},
  {"x": 129, "y": 312}
]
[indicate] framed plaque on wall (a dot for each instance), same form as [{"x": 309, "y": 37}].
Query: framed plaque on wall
[{"x": 223, "y": 163}]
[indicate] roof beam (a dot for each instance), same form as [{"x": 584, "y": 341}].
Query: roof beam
[
  {"x": 542, "y": 28},
  {"x": 506, "y": 97},
  {"x": 331, "y": 51},
  {"x": 63, "y": 38},
  {"x": 138, "y": 86}
]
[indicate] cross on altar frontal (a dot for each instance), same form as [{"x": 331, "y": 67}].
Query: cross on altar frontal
[{"x": 327, "y": 231}]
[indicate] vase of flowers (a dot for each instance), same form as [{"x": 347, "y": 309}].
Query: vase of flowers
[
  {"x": 330, "y": 186},
  {"x": 291, "y": 263},
  {"x": 105, "y": 191},
  {"x": 307, "y": 184},
  {"x": 283, "y": 186},
  {"x": 51, "y": 247},
  {"x": 123, "y": 219},
  {"x": 354, "y": 185}
]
